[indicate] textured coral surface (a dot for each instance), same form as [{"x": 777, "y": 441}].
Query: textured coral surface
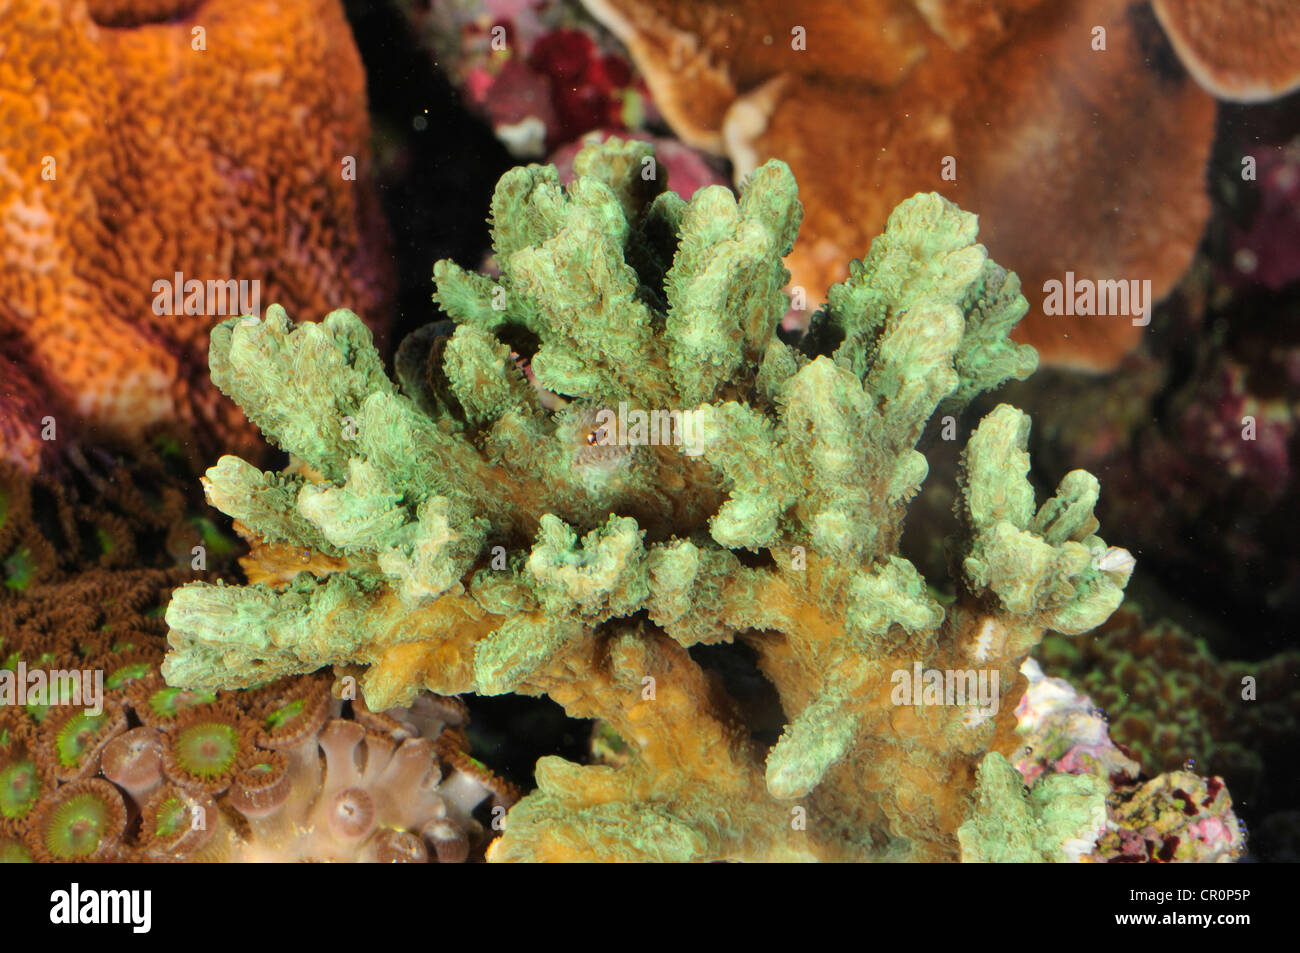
[
  {"x": 1237, "y": 49},
  {"x": 1177, "y": 817},
  {"x": 493, "y": 527},
  {"x": 150, "y": 773},
  {"x": 104, "y": 511},
  {"x": 1008, "y": 108},
  {"x": 130, "y": 155},
  {"x": 1171, "y": 702}
]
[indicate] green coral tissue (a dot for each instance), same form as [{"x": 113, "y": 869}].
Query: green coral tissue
[{"x": 607, "y": 457}]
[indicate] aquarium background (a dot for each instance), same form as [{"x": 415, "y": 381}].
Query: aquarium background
[{"x": 331, "y": 153}]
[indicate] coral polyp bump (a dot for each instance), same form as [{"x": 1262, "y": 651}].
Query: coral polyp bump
[{"x": 453, "y": 545}]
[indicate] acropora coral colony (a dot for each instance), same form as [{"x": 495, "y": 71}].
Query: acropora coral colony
[{"x": 611, "y": 458}]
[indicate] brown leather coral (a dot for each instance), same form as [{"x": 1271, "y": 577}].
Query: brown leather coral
[
  {"x": 214, "y": 140},
  {"x": 1243, "y": 50},
  {"x": 1077, "y": 159}
]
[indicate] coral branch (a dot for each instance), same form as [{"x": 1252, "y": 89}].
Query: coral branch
[{"x": 577, "y": 542}]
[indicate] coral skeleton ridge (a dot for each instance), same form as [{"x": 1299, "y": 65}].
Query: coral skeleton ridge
[{"x": 457, "y": 535}]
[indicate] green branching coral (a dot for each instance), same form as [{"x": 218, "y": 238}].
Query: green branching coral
[
  {"x": 611, "y": 457},
  {"x": 1060, "y": 819}
]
